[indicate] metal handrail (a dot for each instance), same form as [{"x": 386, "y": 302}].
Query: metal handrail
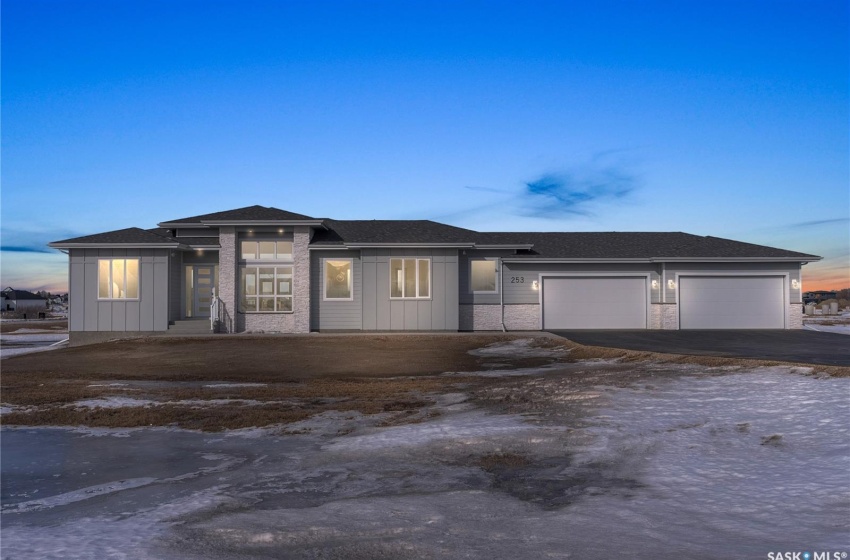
[{"x": 215, "y": 310}]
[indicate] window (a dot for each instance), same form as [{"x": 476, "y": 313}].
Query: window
[
  {"x": 266, "y": 250},
  {"x": 483, "y": 275},
  {"x": 265, "y": 289},
  {"x": 118, "y": 279},
  {"x": 338, "y": 280},
  {"x": 410, "y": 278}
]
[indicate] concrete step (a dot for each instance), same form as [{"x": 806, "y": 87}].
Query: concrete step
[{"x": 190, "y": 326}]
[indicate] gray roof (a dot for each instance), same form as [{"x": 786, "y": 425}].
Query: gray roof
[
  {"x": 544, "y": 245},
  {"x": 126, "y": 236},
  {"x": 21, "y": 294},
  {"x": 249, "y": 213},
  {"x": 633, "y": 245},
  {"x": 391, "y": 231}
]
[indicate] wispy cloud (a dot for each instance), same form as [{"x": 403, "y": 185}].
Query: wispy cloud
[
  {"x": 815, "y": 223},
  {"x": 488, "y": 189},
  {"x": 23, "y": 249},
  {"x": 554, "y": 195}
]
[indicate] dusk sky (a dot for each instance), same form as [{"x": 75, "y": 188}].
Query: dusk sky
[{"x": 715, "y": 118}]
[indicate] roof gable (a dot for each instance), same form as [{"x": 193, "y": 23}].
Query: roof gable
[{"x": 249, "y": 213}]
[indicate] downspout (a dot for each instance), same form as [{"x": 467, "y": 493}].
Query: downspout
[
  {"x": 502, "y": 296},
  {"x": 663, "y": 280}
]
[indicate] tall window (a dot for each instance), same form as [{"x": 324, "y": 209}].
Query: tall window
[
  {"x": 338, "y": 281},
  {"x": 265, "y": 289},
  {"x": 410, "y": 278},
  {"x": 483, "y": 275},
  {"x": 118, "y": 278}
]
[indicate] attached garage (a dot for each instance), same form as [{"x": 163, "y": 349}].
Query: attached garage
[
  {"x": 594, "y": 302},
  {"x": 732, "y": 302}
]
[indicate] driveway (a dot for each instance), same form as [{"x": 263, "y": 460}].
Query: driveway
[{"x": 800, "y": 346}]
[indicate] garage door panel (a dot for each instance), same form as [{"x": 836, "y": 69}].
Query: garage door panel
[
  {"x": 731, "y": 302},
  {"x": 594, "y": 303}
]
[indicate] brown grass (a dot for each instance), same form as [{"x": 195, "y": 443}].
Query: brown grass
[{"x": 41, "y": 324}]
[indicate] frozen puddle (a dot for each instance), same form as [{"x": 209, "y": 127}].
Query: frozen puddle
[{"x": 697, "y": 467}]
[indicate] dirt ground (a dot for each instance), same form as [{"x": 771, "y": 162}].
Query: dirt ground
[
  {"x": 12, "y": 325},
  {"x": 222, "y": 383}
]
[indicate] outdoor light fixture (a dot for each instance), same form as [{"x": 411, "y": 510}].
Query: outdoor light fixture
[
  {"x": 671, "y": 284},
  {"x": 654, "y": 284},
  {"x": 795, "y": 284},
  {"x": 535, "y": 285}
]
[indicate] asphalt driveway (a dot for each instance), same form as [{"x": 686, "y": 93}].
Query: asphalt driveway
[{"x": 800, "y": 346}]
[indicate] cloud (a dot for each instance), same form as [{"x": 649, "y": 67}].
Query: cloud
[
  {"x": 23, "y": 249},
  {"x": 816, "y": 223},
  {"x": 578, "y": 192}
]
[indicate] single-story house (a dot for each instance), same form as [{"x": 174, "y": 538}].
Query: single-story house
[
  {"x": 22, "y": 301},
  {"x": 260, "y": 269}
]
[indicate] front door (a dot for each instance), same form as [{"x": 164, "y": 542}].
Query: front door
[{"x": 204, "y": 284}]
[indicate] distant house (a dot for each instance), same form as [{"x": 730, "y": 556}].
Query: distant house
[
  {"x": 266, "y": 269},
  {"x": 22, "y": 300},
  {"x": 818, "y": 296}
]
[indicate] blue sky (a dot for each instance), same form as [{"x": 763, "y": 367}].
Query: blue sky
[{"x": 715, "y": 118}]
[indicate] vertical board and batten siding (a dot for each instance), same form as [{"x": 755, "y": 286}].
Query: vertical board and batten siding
[
  {"x": 437, "y": 313},
  {"x": 338, "y": 314},
  {"x": 149, "y": 313}
]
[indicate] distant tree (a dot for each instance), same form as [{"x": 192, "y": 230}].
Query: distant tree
[{"x": 843, "y": 294}]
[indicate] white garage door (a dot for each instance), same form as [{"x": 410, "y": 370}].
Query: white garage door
[
  {"x": 594, "y": 302},
  {"x": 731, "y": 302}
]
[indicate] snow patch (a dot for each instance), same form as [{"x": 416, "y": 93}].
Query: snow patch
[{"x": 519, "y": 348}]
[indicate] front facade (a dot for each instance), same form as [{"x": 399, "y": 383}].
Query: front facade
[{"x": 260, "y": 269}]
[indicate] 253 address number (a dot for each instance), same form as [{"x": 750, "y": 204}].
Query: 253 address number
[{"x": 517, "y": 279}]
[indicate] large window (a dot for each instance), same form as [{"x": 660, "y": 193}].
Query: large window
[
  {"x": 338, "y": 282},
  {"x": 265, "y": 289},
  {"x": 118, "y": 278},
  {"x": 483, "y": 275},
  {"x": 410, "y": 278}
]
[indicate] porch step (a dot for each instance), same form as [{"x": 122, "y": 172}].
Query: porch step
[{"x": 190, "y": 326}]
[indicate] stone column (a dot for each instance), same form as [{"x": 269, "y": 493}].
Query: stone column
[
  {"x": 301, "y": 280},
  {"x": 228, "y": 279}
]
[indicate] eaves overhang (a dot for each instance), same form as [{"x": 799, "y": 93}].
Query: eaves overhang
[
  {"x": 118, "y": 246},
  {"x": 250, "y": 223},
  {"x": 660, "y": 259}
]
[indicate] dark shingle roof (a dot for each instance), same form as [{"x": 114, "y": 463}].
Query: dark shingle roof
[
  {"x": 127, "y": 236},
  {"x": 20, "y": 294},
  {"x": 634, "y": 245},
  {"x": 258, "y": 213},
  {"x": 391, "y": 231}
]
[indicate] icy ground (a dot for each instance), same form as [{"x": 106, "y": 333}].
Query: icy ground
[
  {"x": 30, "y": 340},
  {"x": 698, "y": 466}
]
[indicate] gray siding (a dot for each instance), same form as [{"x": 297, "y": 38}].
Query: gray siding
[
  {"x": 149, "y": 313},
  {"x": 438, "y": 313},
  {"x": 335, "y": 315},
  {"x": 175, "y": 286},
  {"x": 465, "y": 295}
]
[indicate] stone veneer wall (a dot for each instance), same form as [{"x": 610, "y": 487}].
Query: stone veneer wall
[
  {"x": 795, "y": 316},
  {"x": 227, "y": 279},
  {"x": 479, "y": 318},
  {"x": 669, "y": 316},
  {"x": 524, "y": 317},
  {"x": 299, "y": 320}
]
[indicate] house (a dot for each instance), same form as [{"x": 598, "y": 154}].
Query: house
[
  {"x": 260, "y": 269},
  {"x": 22, "y": 301}
]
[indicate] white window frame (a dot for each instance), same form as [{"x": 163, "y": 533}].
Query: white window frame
[
  {"x": 274, "y": 296},
  {"x": 416, "y": 296},
  {"x": 496, "y": 283},
  {"x": 139, "y": 280},
  {"x": 325, "y": 279}
]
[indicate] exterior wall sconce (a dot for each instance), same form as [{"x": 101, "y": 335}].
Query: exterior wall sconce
[
  {"x": 535, "y": 285},
  {"x": 654, "y": 284},
  {"x": 795, "y": 284},
  {"x": 671, "y": 284}
]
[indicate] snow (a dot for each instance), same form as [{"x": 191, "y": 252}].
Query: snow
[
  {"x": 730, "y": 464},
  {"x": 232, "y": 385},
  {"x": 840, "y": 329},
  {"x": 519, "y": 348},
  {"x": 17, "y": 344}
]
